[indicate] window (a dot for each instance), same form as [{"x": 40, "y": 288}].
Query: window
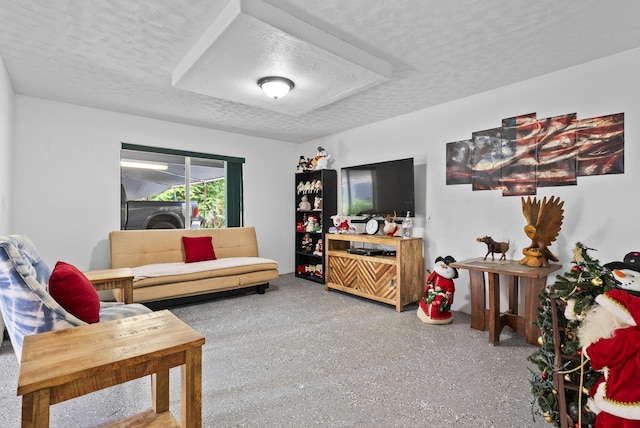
[{"x": 158, "y": 184}]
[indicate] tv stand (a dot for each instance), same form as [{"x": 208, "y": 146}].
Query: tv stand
[{"x": 393, "y": 279}]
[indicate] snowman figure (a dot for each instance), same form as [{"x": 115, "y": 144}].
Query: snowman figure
[
  {"x": 627, "y": 272},
  {"x": 321, "y": 161},
  {"x": 435, "y": 305}
]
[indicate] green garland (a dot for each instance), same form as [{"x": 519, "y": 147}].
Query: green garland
[
  {"x": 581, "y": 284},
  {"x": 441, "y": 301}
]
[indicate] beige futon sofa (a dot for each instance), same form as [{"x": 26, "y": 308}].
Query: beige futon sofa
[{"x": 156, "y": 258}]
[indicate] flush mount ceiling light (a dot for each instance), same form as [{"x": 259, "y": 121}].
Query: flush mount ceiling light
[
  {"x": 275, "y": 86},
  {"x": 250, "y": 39}
]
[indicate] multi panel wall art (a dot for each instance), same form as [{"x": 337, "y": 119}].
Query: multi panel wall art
[{"x": 526, "y": 153}]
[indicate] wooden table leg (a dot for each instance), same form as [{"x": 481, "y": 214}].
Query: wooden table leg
[
  {"x": 513, "y": 294},
  {"x": 127, "y": 291},
  {"x": 160, "y": 391},
  {"x": 191, "y": 400},
  {"x": 494, "y": 308},
  {"x": 533, "y": 288},
  {"x": 478, "y": 297},
  {"x": 35, "y": 409}
]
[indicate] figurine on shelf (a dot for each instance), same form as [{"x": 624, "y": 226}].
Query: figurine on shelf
[
  {"x": 307, "y": 243},
  {"x": 311, "y": 225},
  {"x": 340, "y": 224},
  {"x": 435, "y": 306},
  {"x": 302, "y": 164},
  {"x": 318, "y": 250},
  {"x": 321, "y": 161},
  {"x": 318, "y": 270},
  {"x": 304, "y": 204},
  {"x": 407, "y": 225},
  {"x": 307, "y": 187},
  {"x": 494, "y": 247},
  {"x": 544, "y": 219},
  {"x": 300, "y": 226},
  {"x": 318, "y": 186},
  {"x": 317, "y": 203},
  {"x": 300, "y": 188},
  {"x": 391, "y": 228}
]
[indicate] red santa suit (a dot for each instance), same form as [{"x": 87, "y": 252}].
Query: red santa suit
[
  {"x": 617, "y": 397},
  {"x": 434, "y": 307}
]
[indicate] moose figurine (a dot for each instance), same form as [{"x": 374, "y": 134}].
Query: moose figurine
[
  {"x": 391, "y": 228},
  {"x": 494, "y": 247}
]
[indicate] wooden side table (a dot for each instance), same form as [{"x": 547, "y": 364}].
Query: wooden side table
[
  {"x": 63, "y": 364},
  {"x": 533, "y": 279},
  {"x": 108, "y": 279}
]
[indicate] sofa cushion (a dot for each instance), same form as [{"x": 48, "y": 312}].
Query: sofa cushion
[
  {"x": 71, "y": 288},
  {"x": 167, "y": 273},
  {"x": 198, "y": 249},
  {"x": 110, "y": 311},
  {"x": 129, "y": 248}
]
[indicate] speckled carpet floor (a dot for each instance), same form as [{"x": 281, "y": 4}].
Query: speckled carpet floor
[{"x": 299, "y": 356}]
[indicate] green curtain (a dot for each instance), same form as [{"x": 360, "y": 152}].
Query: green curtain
[{"x": 234, "y": 194}]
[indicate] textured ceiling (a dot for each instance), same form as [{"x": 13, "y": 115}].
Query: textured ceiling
[
  {"x": 325, "y": 68},
  {"x": 120, "y": 55}
]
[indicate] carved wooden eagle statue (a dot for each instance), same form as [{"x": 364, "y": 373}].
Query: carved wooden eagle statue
[{"x": 544, "y": 219}]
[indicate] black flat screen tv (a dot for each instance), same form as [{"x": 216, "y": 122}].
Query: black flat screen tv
[{"x": 378, "y": 189}]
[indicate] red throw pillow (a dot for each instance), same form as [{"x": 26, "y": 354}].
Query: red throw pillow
[
  {"x": 71, "y": 288},
  {"x": 198, "y": 249}
]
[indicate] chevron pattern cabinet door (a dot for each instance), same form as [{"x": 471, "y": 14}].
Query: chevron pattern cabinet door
[
  {"x": 370, "y": 278},
  {"x": 343, "y": 271},
  {"x": 377, "y": 279}
]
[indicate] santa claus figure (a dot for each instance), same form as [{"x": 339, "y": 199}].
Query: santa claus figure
[
  {"x": 610, "y": 339},
  {"x": 435, "y": 306}
]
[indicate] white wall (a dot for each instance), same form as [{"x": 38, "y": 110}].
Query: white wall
[
  {"x": 601, "y": 211},
  {"x": 67, "y": 178},
  {"x": 7, "y": 100},
  {"x": 66, "y": 181}
]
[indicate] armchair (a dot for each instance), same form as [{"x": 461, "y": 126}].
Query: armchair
[{"x": 25, "y": 303}]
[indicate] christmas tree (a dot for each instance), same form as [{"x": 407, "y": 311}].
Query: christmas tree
[{"x": 576, "y": 291}]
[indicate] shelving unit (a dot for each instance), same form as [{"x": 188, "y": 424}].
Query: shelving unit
[
  {"x": 310, "y": 259},
  {"x": 393, "y": 279}
]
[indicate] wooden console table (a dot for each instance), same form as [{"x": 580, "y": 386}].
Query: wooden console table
[
  {"x": 394, "y": 279},
  {"x": 534, "y": 279},
  {"x": 63, "y": 364}
]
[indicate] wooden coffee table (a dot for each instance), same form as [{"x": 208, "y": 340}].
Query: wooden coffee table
[{"x": 63, "y": 364}]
